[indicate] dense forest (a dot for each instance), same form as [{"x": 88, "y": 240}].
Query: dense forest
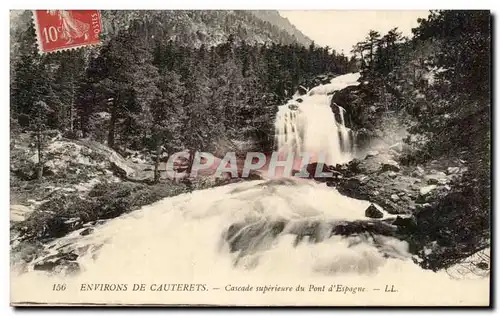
[
  {"x": 143, "y": 93},
  {"x": 438, "y": 86}
]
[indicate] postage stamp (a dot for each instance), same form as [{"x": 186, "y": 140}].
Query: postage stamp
[{"x": 58, "y": 30}]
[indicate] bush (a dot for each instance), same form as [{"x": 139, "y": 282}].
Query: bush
[
  {"x": 26, "y": 251},
  {"x": 115, "y": 188},
  {"x": 153, "y": 193},
  {"x": 51, "y": 218},
  {"x": 459, "y": 223}
]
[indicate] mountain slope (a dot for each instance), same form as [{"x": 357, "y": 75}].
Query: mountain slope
[
  {"x": 209, "y": 27},
  {"x": 275, "y": 18},
  {"x": 191, "y": 27}
]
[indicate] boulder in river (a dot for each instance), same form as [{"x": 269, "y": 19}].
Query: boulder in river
[
  {"x": 405, "y": 224},
  {"x": 302, "y": 90},
  {"x": 59, "y": 263},
  {"x": 373, "y": 212},
  {"x": 324, "y": 79},
  {"x": 86, "y": 231}
]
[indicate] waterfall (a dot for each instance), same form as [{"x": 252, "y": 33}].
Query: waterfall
[
  {"x": 344, "y": 132},
  {"x": 308, "y": 124}
]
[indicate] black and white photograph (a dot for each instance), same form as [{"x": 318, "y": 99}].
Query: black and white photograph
[{"x": 250, "y": 157}]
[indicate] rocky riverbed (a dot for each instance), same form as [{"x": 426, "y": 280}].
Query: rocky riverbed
[
  {"x": 398, "y": 189},
  {"x": 400, "y": 198}
]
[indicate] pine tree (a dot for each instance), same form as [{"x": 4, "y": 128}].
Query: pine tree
[
  {"x": 129, "y": 85},
  {"x": 29, "y": 84},
  {"x": 38, "y": 125},
  {"x": 167, "y": 117},
  {"x": 63, "y": 90},
  {"x": 196, "y": 127}
]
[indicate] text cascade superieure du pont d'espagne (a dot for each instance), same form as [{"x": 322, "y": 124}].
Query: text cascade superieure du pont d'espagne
[
  {"x": 174, "y": 287},
  {"x": 345, "y": 289}
]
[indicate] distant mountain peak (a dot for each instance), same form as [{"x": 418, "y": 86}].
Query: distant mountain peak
[
  {"x": 209, "y": 27},
  {"x": 275, "y": 18}
]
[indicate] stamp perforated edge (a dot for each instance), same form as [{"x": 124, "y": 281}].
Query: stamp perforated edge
[{"x": 34, "y": 20}]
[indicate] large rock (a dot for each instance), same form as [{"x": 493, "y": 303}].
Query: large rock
[
  {"x": 311, "y": 170},
  {"x": 398, "y": 147},
  {"x": 432, "y": 193},
  {"x": 19, "y": 213},
  {"x": 423, "y": 207},
  {"x": 392, "y": 174},
  {"x": 73, "y": 223},
  {"x": 64, "y": 263},
  {"x": 405, "y": 224},
  {"x": 87, "y": 231},
  {"x": 373, "y": 212},
  {"x": 337, "y": 113},
  {"x": 324, "y": 79},
  {"x": 395, "y": 197},
  {"x": 362, "y": 227},
  {"x": 371, "y": 154},
  {"x": 418, "y": 172},
  {"x": 301, "y": 90},
  {"x": 390, "y": 165},
  {"x": 436, "y": 178},
  {"x": 248, "y": 237},
  {"x": 452, "y": 170},
  {"x": 427, "y": 189},
  {"x": 353, "y": 186},
  {"x": 363, "y": 137},
  {"x": 405, "y": 221}
]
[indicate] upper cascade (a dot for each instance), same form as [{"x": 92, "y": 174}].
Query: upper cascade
[{"x": 307, "y": 124}]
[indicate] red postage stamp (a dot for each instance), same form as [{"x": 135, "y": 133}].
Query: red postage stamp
[{"x": 58, "y": 30}]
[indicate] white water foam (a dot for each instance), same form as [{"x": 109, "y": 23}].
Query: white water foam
[{"x": 180, "y": 240}]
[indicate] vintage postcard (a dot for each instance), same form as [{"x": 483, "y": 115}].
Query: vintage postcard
[{"x": 250, "y": 158}]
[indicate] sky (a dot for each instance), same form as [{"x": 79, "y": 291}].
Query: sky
[{"x": 343, "y": 29}]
